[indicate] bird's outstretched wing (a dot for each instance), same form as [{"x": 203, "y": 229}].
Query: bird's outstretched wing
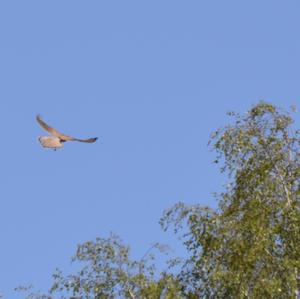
[
  {"x": 89, "y": 140},
  {"x": 61, "y": 136}
]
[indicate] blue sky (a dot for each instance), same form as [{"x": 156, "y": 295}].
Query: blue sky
[{"x": 151, "y": 79}]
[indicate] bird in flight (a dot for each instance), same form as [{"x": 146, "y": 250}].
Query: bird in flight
[{"x": 57, "y": 139}]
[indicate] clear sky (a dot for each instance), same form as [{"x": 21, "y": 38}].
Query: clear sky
[{"x": 151, "y": 79}]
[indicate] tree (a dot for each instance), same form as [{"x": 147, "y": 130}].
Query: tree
[
  {"x": 108, "y": 272},
  {"x": 249, "y": 246}
]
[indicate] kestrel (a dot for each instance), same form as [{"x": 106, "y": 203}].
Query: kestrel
[{"x": 57, "y": 139}]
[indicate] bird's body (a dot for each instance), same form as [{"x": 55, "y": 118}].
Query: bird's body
[
  {"x": 50, "y": 142},
  {"x": 56, "y": 140}
]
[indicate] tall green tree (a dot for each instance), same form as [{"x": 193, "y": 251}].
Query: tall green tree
[{"x": 250, "y": 246}]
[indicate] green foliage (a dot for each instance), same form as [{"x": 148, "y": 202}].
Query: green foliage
[
  {"x": 108, "y": 272},
  {"x": 249, "y": 247}
]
